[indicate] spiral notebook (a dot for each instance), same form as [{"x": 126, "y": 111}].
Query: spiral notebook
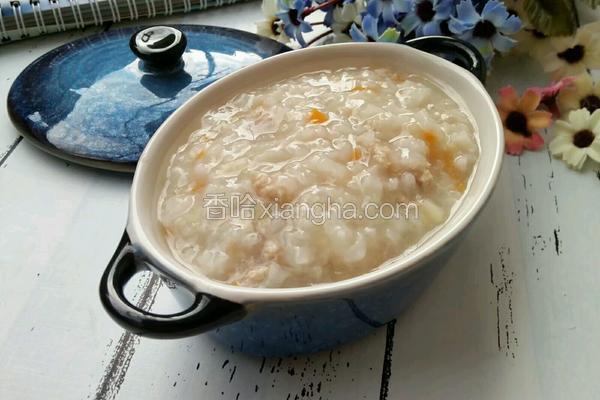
[{"x": 29, "y": 18}]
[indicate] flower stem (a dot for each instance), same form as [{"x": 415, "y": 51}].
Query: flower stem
[
  {"x": 325, "y": 4},
  {"x": 319, "y": 37}
]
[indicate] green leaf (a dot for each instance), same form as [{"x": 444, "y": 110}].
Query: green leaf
[
  {"x": 552, "y": 17},
  {"x": 389, "y": 35},
  {"x": 592, "y": 3}
]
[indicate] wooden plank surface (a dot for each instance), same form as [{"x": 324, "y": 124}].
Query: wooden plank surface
[{"x": 515, "y": 314}]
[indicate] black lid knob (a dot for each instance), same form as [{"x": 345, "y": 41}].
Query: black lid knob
[{"x": 158, "y": 45}]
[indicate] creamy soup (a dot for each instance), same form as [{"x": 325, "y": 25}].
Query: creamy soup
[{"x": 318, "y": 178}]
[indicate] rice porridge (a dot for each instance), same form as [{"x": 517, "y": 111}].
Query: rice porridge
[{"x": 318, "y": 178}]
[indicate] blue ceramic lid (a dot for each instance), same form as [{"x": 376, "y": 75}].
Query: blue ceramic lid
[{"x": 94, "y": 102}]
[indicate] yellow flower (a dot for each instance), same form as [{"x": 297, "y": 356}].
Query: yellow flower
[
  {"x": 571, "y": 55},
  {"x": 578, "y": 138},
  {"x": 529, "y": 40},
  {"x": 582, "y": 93}
]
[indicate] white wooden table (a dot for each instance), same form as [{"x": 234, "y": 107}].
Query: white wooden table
[{"x": 515, "y": 314}]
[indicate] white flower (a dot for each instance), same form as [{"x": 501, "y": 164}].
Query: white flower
[
  {"x": 573, "y": 54},
  {"x": 343, "y": 18},
  {"x": 577, "y": 138},
  {"x": 582, "y": 93},
  {"x": 271, "y": 26},
  {"x": 531, "y": 41}
]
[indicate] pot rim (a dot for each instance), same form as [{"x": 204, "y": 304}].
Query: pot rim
[{"x": 404, "y": 264}]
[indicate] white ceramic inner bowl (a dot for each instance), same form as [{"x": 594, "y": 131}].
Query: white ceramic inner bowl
[{"x": 146, "y": 233}]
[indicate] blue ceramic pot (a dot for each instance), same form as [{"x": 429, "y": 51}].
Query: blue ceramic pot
[{"x": 291, "y": 321}]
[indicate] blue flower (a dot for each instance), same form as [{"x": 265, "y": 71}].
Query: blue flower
[
  {"x": 425, "y": 16},
  {"x": 374, "y": 30},
  {"x": 388, "y": 10},
  {"x": 291, "y": 15},
  {"x": 486, "y": 31}
]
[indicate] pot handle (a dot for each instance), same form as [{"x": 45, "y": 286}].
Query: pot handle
[
  {"x": 458, "y": 51},
  {"x": 206, "y": 312}
]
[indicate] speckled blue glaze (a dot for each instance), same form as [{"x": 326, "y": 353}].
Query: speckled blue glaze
[{"x": 93, "y": 102}]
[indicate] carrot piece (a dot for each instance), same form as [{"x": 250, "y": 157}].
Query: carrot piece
[
  {"x": 430, "y": 138},
  {"x": 397, "y": 78},
  {"x": 198, "y": 187},
  {"x": 356, "y": 154},
  {"x": 445, "y": 158},
  {"x": 358, "y": 88},
  {"x": 317, "y": 117}
]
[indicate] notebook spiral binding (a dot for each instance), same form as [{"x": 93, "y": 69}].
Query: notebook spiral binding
[{"x": 20, "y": 19}]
